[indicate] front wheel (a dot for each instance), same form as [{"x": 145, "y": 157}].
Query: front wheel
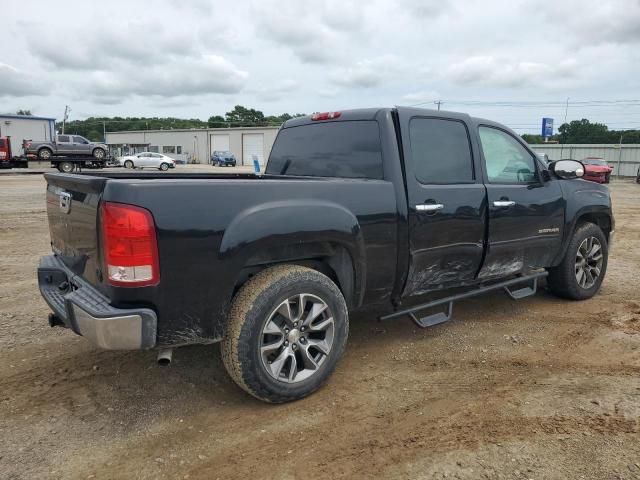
[
  {"x": 98, "y": 153},
  {"x": 128, "y": 164},
  {"x": 286, "y": 330},
  {"x": 581, "y": 272},
  {"x": 164, "y": 167},
  {"x": 45, "y": 154}
]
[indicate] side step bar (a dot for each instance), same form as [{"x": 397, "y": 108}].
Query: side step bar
[{"x": 441, "y": 317}]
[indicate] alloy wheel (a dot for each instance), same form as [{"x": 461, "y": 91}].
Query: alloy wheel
[
  {"x": 589, "y": 258},
  {"x": 297, "y": 338}
]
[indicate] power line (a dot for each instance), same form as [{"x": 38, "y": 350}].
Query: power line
[{"x": 535, "y": 104}]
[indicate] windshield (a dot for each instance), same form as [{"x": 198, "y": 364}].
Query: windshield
[
  {"x": 595, "y": 161},
  {"x": 222, "y": 152}
]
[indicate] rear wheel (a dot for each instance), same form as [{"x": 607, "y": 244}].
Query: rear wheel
[
  {"x": 66, "y": 167},
  {"x": 99, "y": 153},
  {"x": 287, "y": 328},
  {"x": 128, "y": 164},
  {"x": 44, "y": 154},
  {"x": 164, "y": 167},
  {"x": 581, "y": 272}
]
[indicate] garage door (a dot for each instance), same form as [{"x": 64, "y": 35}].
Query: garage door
[
  {"x": 220, "y": 143},
  {"x": 252, "y": 144}
]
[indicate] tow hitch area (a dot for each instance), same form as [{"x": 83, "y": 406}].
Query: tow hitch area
[{"x": 529, "y": 288}]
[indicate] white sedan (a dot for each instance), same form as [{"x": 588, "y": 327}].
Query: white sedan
[{"x": 148, "y": 160}]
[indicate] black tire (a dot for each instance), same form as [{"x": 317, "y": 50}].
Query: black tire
[
  {"x": 164, "y": 167},
  {"x": 98, "y": 153},
  {"x": 252, "y": 308},
  {"x": 128, "y": 164},
  {"x": 65, "y": 167},
  {"x": 45, "y": 154},
  {"x": 563, "y": 281}
]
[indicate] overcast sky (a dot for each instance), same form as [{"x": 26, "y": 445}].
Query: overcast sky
[{"x": 197, "y": 58}]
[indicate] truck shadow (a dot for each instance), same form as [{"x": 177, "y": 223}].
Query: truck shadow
[{"x": 129, "y": 388}]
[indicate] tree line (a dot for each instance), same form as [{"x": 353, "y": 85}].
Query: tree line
[
  {"x": 93, "y": 127},
  {"x": 576, "y": 131},
  {"x": 583, "y": 131}
]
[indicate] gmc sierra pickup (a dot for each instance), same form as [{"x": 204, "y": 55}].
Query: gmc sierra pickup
[{"x": 400, "y": 210}]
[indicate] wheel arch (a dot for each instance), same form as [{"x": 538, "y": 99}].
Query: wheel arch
[
  {"x": 330, "y": 259},
  {"x": 599, "y": 216},
  {"x": 314, "y": 233}
]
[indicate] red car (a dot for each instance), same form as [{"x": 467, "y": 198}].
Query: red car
[{"x": 596, "y": 170}]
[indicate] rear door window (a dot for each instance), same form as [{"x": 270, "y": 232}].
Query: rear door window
[
  {"x": 349, "y": 149},
  {"x": 440, "y": 151},
  {"x": 63, "y": 138}
]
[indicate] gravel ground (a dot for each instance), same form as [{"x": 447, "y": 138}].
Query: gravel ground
[{"x": 541, "y": 388}]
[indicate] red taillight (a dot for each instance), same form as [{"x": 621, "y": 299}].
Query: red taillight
[
  {"x": 129, "y": 245},
  {"x": 325, "y": 115}
]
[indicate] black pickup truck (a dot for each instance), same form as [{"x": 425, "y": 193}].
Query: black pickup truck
[{"x": 400, "y": 210}]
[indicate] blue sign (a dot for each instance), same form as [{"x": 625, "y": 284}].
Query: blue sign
[{"x": 547, "y": 127}]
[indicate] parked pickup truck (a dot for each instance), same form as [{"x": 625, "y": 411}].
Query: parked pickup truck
[
  {"x": 398, "y": 210},
  {"x": 66, "y": 145}
]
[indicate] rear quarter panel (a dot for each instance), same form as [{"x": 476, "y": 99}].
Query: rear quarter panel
[{"x": 208, "y": 230}]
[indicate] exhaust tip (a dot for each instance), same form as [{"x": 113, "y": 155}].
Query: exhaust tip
[{"x": 165, "y": 356}]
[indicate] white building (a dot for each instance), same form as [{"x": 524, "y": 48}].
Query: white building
[
  {"x": 196, "y": 145},
  {"x": 26, "y": 127}
]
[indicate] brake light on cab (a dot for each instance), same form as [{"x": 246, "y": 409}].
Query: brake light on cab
[
  {"x": 325, "y": 116},
  {"x": 129, "y": 244}
]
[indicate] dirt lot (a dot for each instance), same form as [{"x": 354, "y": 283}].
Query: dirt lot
[{"x": 541, "y": 388}]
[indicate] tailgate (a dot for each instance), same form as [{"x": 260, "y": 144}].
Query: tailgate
[{"x": 72, "y": 210}]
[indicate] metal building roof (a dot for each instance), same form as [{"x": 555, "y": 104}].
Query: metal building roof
[{"x": 26, "y": 117}]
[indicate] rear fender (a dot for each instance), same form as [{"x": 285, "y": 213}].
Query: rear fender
[{"x": 290, "y": 231}]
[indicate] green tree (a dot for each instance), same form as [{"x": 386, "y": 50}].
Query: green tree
[
  {"x": 532, "y": 139},
  {"x": 244, "y": 117},
  {"x": 216, "y": 121},
  {"x": 24, "y": 112},
  {"x": 583, "y": 131}
]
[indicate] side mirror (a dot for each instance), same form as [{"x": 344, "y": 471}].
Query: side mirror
[{"x": 567, "y": 169}]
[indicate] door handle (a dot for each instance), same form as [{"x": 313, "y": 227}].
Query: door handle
[
  {"x": 504, "y": 203},
  {"x": 429, "y": 207}
]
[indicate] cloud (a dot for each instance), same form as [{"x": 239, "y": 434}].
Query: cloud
[
  {"x": 186, "y": 77},
  {"x": 421, "y": 96},
  {"x": 275, "y": 91},
  {"x": 15, "y": 83},
  {"x": 501, "y": 72},
  {"x": 366, "y": 73},
  {"x": 314, "y": 35},
  {"x": 137, "y": 43},
  {"x": 424, "y": 8},
  {"x": 613, "y": 21}
]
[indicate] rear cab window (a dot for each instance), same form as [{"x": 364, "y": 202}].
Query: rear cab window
[
  {"x": 441, "y": 151},
  {"x": 347, "y": 149},
  {"x": 2, "y": 143}
]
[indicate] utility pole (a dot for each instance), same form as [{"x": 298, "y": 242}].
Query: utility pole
[
  {"x": 67, "y": 111},
  {"x": 566, "y": 112},
  {"x": 438, "y": 102},
  {"x": 619, "y": 156},
  {"x": 104, "y": 131}
]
